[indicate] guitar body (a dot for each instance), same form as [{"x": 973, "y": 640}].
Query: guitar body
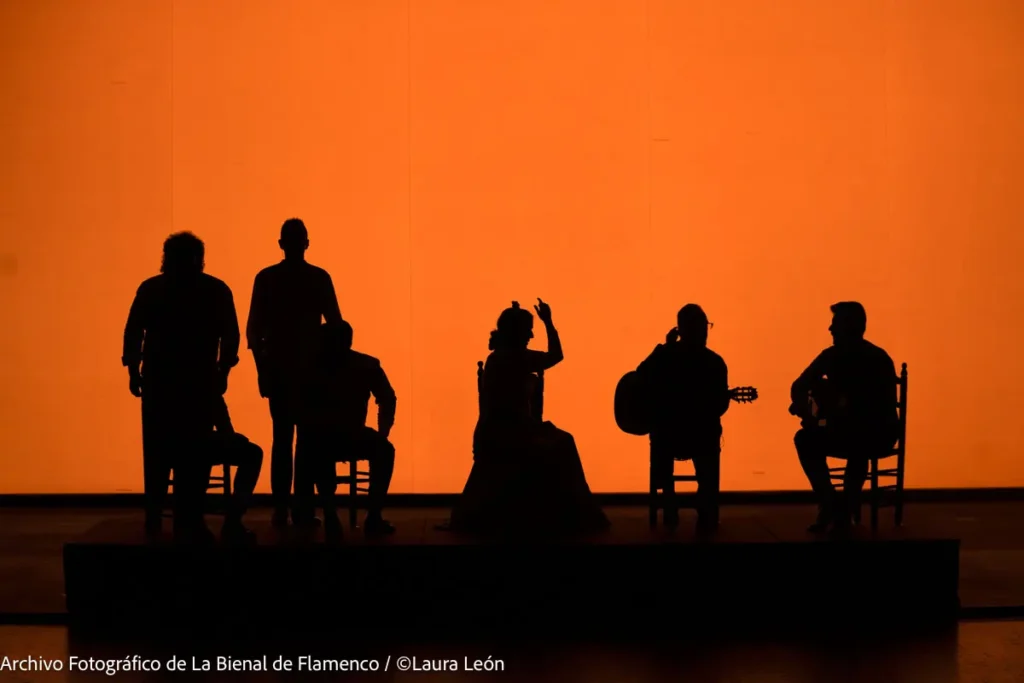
[{"x": 633, "y": 408}]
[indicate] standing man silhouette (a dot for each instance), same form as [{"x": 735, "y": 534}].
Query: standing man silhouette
[
  {"x": 180, "y": 342},
  {"x": 290, "y": 300}
]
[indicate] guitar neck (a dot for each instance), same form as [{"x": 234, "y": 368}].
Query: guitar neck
[{"x": 743, "y": 394}]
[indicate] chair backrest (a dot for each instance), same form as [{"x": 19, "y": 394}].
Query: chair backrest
[{"x": 901, "y": 407}]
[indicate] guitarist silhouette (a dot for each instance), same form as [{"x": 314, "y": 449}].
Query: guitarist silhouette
[
  {"x": 846, "y": 402},
  {"x": 678, "y": 396}
]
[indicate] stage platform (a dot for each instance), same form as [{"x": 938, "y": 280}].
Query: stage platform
[{"x": 420, "y": 580}]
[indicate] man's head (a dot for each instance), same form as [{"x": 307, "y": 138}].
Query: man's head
[
  {"x": 184, "y": 254},
  {"x": 693, "y": 325},
  {"x": 294, "y": 238},
  {"x": 338, "y": 336},
  {"x": 849, "y": 321}
]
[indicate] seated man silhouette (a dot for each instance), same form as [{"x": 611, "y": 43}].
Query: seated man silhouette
[
  {"x": 336, "y": 423},
  {"x": 688, "y": 387},
  {"x": 228, "y": 447},
  {"x": 847, "y": 401}
]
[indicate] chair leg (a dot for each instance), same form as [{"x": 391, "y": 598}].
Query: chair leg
[
  {"x": 874, "y": 495},
  {"x": 227, "y": 490},
  {"x": 652, "y": 498},
  {"x": 899, "y": 490},
  {"x": 353, "y": 490},
  {"x": 652, "y": 504},
  {"x": 899, "y": 506}
]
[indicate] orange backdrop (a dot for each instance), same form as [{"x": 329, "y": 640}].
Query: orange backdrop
[{"x": 764, "y": 158}]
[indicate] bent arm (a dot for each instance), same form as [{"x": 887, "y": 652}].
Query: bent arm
[
  {"x": 135, "y": 333},
  {"x": 543, "y": 360},
  {"x": 331, "y": 310},
  {"x": 387, "y": 402},
  {"x": 221, "y": 416}
]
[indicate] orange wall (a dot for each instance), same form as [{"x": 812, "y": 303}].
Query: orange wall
[{"x": 762, "y": 158}]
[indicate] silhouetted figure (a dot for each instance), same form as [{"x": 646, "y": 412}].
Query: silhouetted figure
[
  {"x": 180, "y": 342},
  {"x": 527, "y": 473},
  {"x": 289, "y": 301},
  {"x": 336, "y": 424},
  {"x": 846, "y": 399},
  {"x": 688, "y": 387},
  {"x": 231, "y": 448}
]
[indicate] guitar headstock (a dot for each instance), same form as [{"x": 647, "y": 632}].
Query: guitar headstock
[{"x": 743, "y": 394}]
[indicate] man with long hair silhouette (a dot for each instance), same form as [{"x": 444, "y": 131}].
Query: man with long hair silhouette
[
  {"x": 847, "y": 400},
  {"x": 290, "y": 300},
  {"x": 335, "y": 422},
  {"x": 688, "y": 387},
  {"x": 180, "y": 342}
]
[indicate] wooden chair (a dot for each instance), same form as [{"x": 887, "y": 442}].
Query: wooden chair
[
  {"x": 661, "y": 498},
  {"x": 663, "y": 494},
  {"x": 357, "y": 481},
  {"x": 889, "y": 495}
]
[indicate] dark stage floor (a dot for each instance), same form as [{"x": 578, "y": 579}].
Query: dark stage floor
[{"x": 991, "y": 565}]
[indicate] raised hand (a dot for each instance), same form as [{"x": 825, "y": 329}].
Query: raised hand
[{"x": 543, "y": 311}]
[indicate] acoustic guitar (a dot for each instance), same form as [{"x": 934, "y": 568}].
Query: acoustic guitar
[{"x": 633, "y": 409}]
